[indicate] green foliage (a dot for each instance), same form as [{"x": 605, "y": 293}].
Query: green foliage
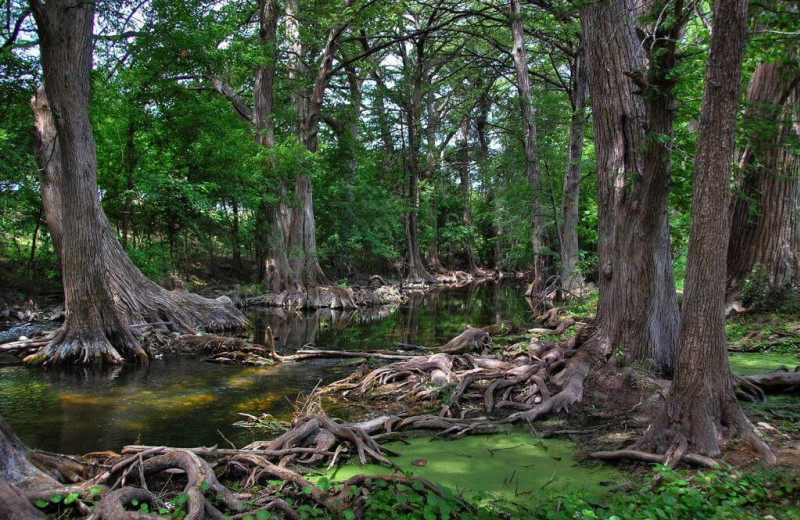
[{"x": 716, "y": 494}]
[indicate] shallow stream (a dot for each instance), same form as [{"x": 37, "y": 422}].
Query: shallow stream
[{"x": 184, "y": 401}]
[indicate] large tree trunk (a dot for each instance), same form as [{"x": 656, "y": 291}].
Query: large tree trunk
[
  {"x": 417, "y": 273},
  {"x": 637, "y": 311},
  {"x": 764, "y": 227},
  {"x": 16, "y": 473},
  {"x": 701, "y": 409},
  {"x": 302, "y": 241},
  {"x": 104, "y": 291},
  {"x": 463, "y": 172},
  {"x": 571, "y": 278},
  {"x": 532, "y": 166},
  {"x": 93, "y": 332},
  {"x": 492, "y": 201},
  {"x": 434, "y": 167}
]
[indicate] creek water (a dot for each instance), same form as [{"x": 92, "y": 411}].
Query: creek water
[{"x": 184, "y": 401}]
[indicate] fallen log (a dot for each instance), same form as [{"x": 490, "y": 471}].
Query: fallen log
[
  {"x": 312, "y": 353},
  {"x": 777, "y": 382}
]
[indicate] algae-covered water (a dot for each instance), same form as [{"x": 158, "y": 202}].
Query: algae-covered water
[{"x": 516, "y": 466}]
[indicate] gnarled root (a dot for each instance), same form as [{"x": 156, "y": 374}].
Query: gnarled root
[
  {"x": 471, "y": 340},
  {"x": 113, "y": 506},
  {"x": 200, "y": 478},
  {"x": 77, "y": 345},
  {"x": 326, "y": 439}
]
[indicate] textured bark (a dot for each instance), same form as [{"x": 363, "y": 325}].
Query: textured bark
[
  {"x": 571, "y": 278},
  {"x": 532, "y": 166},
  {"x": 417, "y": 273},
  {"x": 235, "y": 243},
  {"x": 637, "y": 311},
  {"x": 764, "y": 227},
  {"x": 93, "y": 332},
  {"x": 302, "y": 243},
  {"x": 434, "y": 165},
  {"x": 134, "y": 298},
  {"x": 18, "y": 474},
  {"x": 701, "y": 409},
  {"x": 463, "y": 172},
  {"x": 484, "y": 105},
  {"x": 15, "y": 505}
]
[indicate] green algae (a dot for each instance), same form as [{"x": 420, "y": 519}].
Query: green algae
[
  {"x": 749, "y": 363},
  {"x": 517, "y": 467}
]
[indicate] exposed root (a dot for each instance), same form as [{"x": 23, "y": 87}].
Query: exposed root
[
  {"x": 113, "y": 506},
  {"x": 691, "y": 458},
  {"x": 471, "y": 340},
  {"x": 200, "y": 480},
  {"x": 89, "y": 348}
]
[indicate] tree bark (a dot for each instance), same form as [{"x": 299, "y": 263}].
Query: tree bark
[
  {"x": 764, "y": 227},
  {"x": 417, "y": 273},
  {"x": 93, "y": 332},
  {"x": 571, "y": 278},
  {"x": 434, "y": 167},
  {"x": 532, "y": 166},
  {"x": 637, "y": 311},
  {"x": 701, "y": 410},
  {"x": 17, "y": 472},
  {"x": 463, "y": 171},
  {"x": 104, "y": 291}
]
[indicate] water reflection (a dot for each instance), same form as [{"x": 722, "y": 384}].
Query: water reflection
[{"x": 185, "y": 401}]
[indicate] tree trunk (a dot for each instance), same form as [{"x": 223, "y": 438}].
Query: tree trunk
[
  {"x": 237, "y": 249},
  {"x": 434, "y": 168},
  {"x": 637, "y": 311},
  {"x": 463, "y": 171},
  {"x": 417, "y": 273},
  {"x": 492, "y": 201},
  {"x": 104, "y": 291},
  {"x": 93, "y": 332},
  {"x": 532, "y": 166},
  {"x": 701, "y": 409},
  {"x": 17, "y": 472},
  {"x": 764, "y": 227},
  {"x": 571, "y": 278}
]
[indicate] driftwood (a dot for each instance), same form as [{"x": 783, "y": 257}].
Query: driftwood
[{"x": 471, "y": 340}]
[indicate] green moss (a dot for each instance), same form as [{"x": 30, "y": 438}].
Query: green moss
[
  {"x": 749, "y": 363},
  {"x": 516, "y": 467}
]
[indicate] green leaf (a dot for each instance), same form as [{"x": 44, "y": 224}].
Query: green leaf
[
  {"x": 41, "y": 503},
  {"x": 204, "y": 485},
  {"x": 72, "y": 497},
  {"x": 55, "y": 498},
  {"x": 349, "y": 515},
  {"x": 262, "y": 515}
]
